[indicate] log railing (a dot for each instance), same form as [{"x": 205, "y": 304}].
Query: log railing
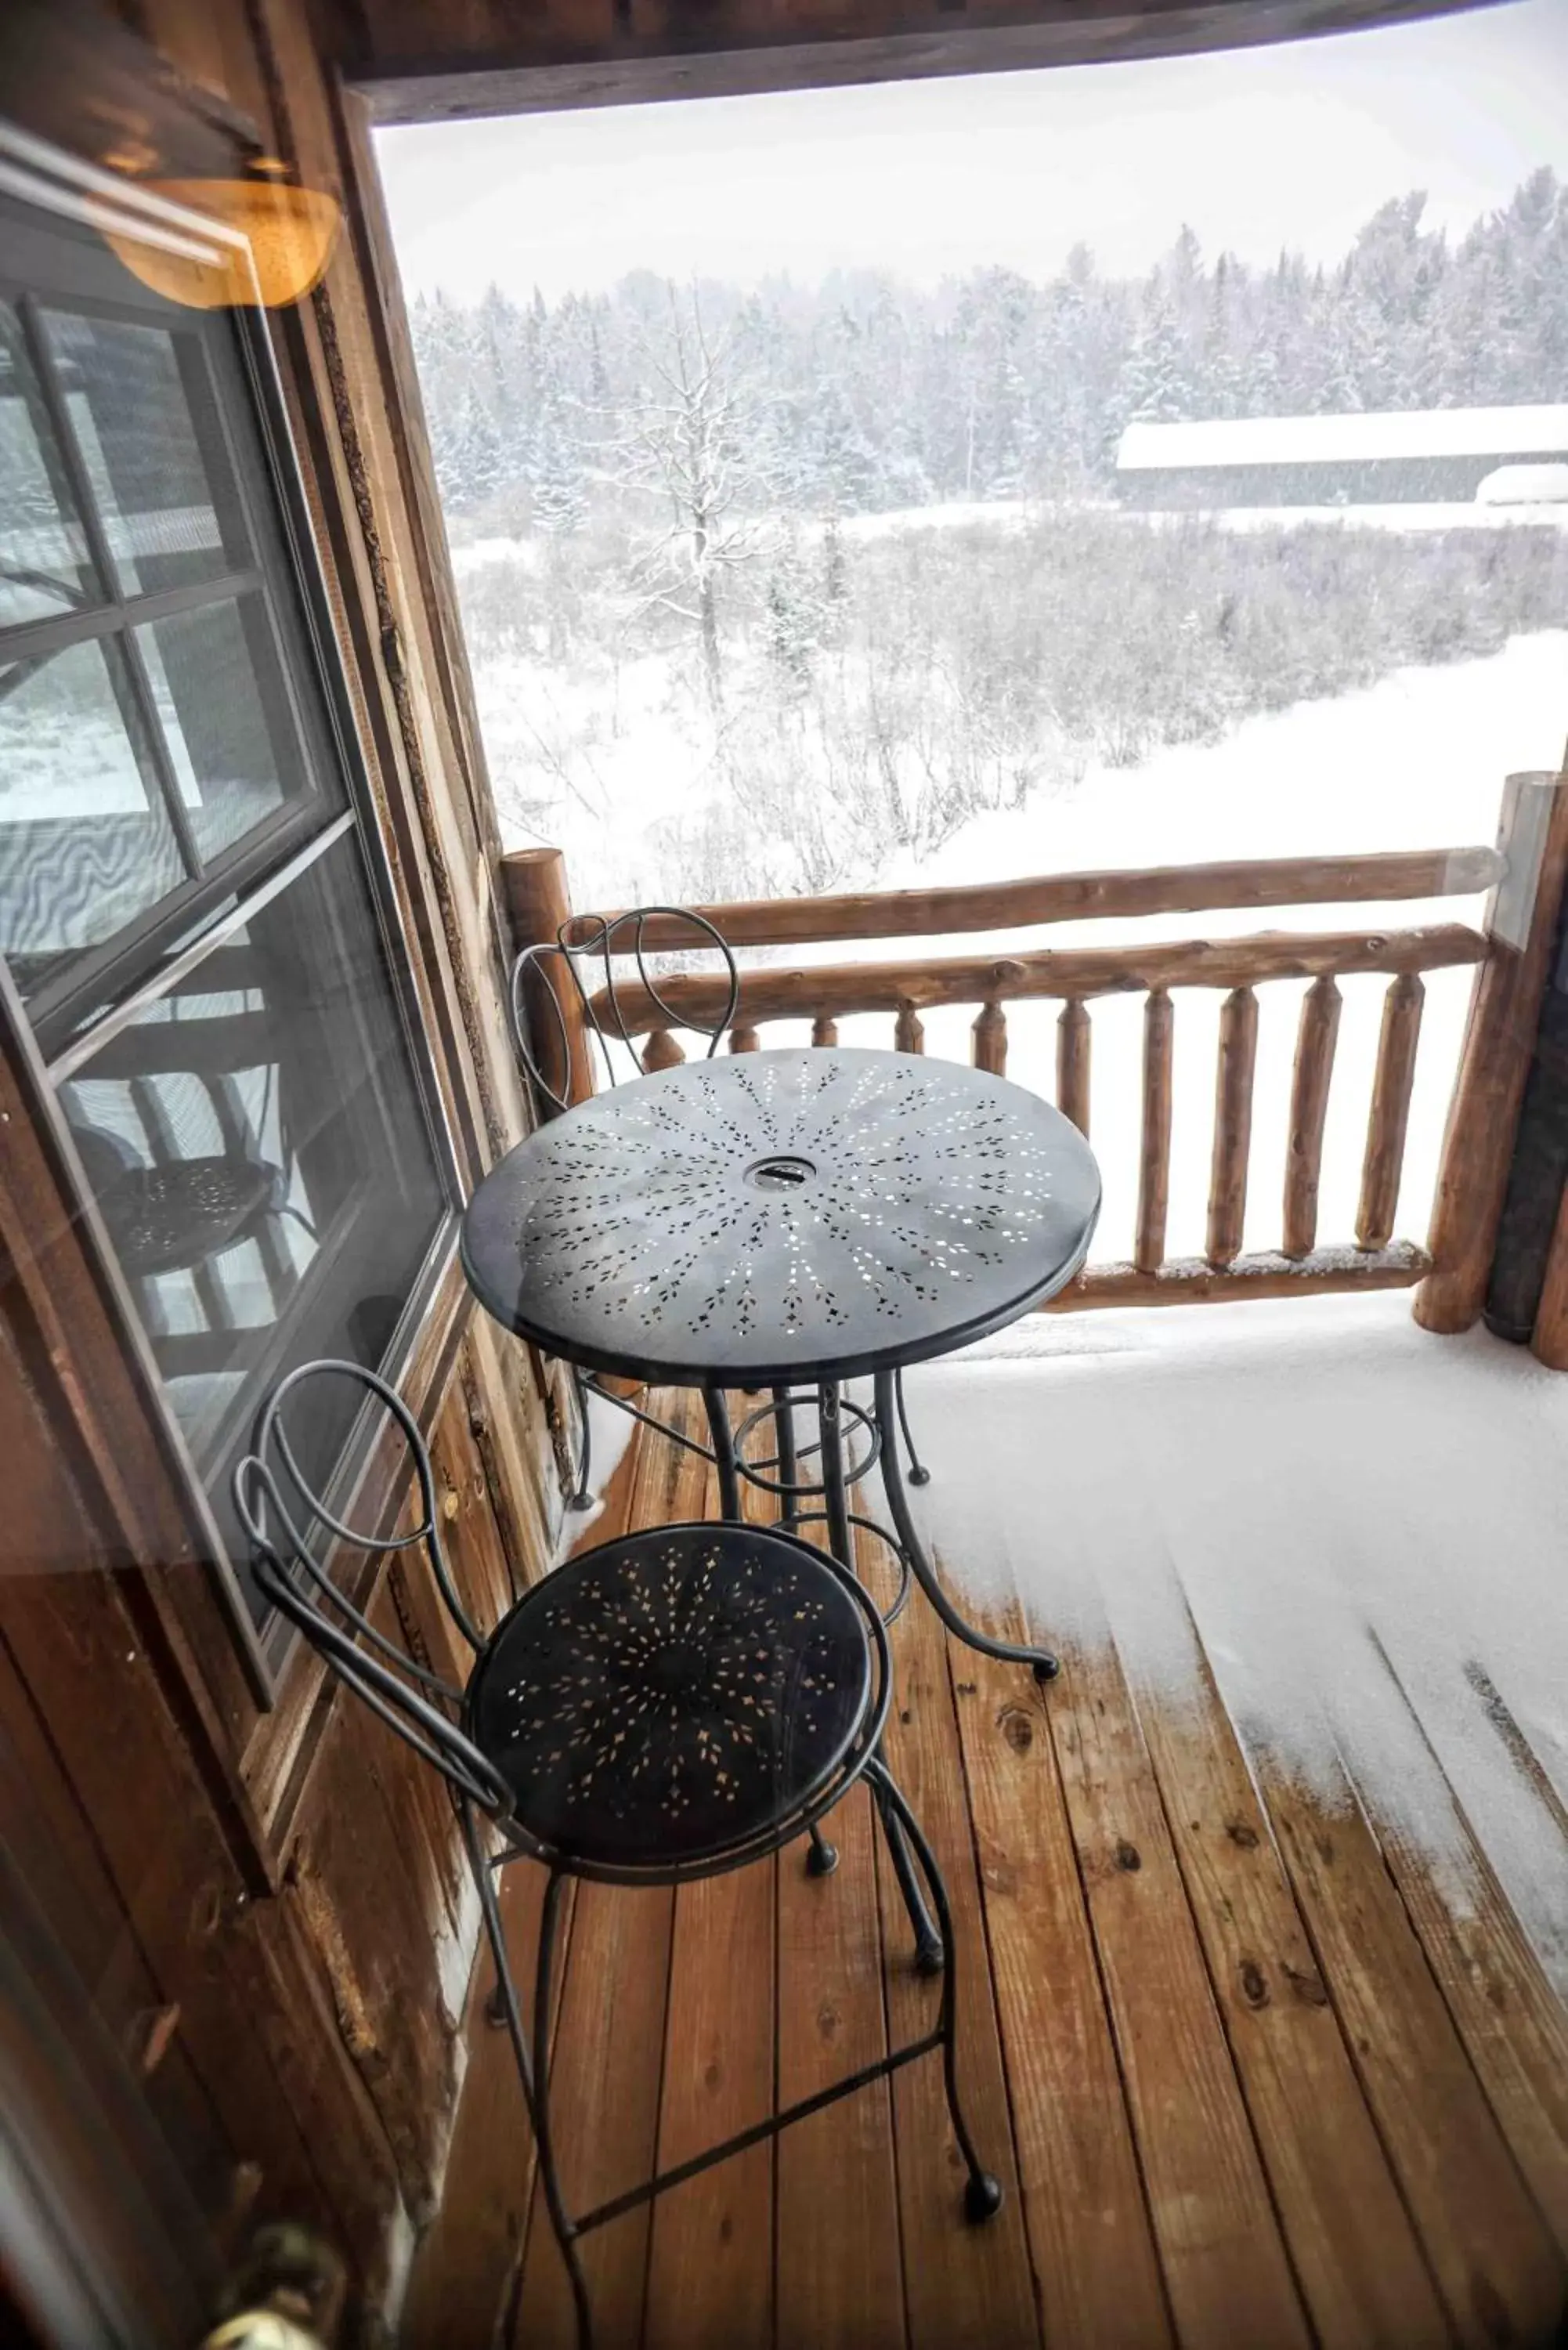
[{"x": 1524, "y": 875}]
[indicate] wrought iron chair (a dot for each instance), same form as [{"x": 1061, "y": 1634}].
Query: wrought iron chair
[{"x": 661, "y": 1708}]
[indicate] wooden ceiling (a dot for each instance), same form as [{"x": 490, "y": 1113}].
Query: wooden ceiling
[{"x": 426, "y": 60}]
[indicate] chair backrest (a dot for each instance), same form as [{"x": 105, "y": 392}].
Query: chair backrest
[
  {"x": 289, "y": 1527},
  {"x": 555, "y": 964}
]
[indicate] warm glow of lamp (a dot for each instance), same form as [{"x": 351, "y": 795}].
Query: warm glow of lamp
[{"x": 289, "y": 235}]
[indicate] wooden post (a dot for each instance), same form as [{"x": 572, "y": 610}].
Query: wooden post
[
  {"x": 1396, "y": 1074},
  {"x": 825, "y": 1031},
  {"x": 1505, "y": 1008},
  {"x": 1549, "y": 1341},
  {"x": 1153, "y": 1171},
  {"x": 744, "y": 1040},
  {"x": 909, "y": 1035},
  {"x": 988, "y": 1040},
  {"x": 1232, "y": 1126},
  {"x": 662, "y": 1051},
  {"x": 1073, "y": 1044},
  {"x": 539, "y": 903},
  {"x": 1315, "y": 1041}
]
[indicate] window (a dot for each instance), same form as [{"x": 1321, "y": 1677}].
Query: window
[{"x": 187, "y": 912}]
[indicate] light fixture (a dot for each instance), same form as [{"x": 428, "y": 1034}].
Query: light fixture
[{"x": 278, "y": 243}]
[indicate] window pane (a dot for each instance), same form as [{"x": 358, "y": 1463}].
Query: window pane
[
  {"x": 44, "y": 564},
  {"x": 86, "y": 844},
  {"x": 257, "y": 1146},
  {"x": 162, "y": 491},
  {"x": 235, "y": 758}
]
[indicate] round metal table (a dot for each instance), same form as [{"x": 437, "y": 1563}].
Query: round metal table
[{"x": 786, "y": 1218}]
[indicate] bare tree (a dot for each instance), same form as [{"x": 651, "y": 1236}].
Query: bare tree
[{"x": 694, "y": 439}]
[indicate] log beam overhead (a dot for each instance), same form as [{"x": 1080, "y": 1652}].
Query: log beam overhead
[{"x": 424, "y": 60}]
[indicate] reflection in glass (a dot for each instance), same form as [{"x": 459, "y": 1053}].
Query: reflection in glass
[
  {"x": 160, "y": 487},
  {"x": 44, "y": 564},
  {"x": 206, "y": 669},
  {"x": 85, "y": 843},
  {"x": 256, "y": 1149}
]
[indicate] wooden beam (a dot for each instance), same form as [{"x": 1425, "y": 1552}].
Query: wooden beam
[
  {"x": 1549, "y": 1339},
  {"x": 1499, "y": 1039},
  {"x": 1232, "y": 1125},
  {"x": 1074, "y": 1042},
  {"x": 1395, "y": 1076},
  {"x": 1153, "y": 1171},
  {"x": 822, "y": 990},
  {"x": 1077, "y": 896},
  {"x": 537, "y": 903},
  {"x": 423, "y": 60},
  {"x": 1192, "y": 1281},
  {"x": 1309, "y": 1109}
]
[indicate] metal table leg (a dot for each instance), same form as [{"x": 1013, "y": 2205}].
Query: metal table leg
[
  {"x": 929, "y": 1947},
  {"x": 1041, "y": 1661}
]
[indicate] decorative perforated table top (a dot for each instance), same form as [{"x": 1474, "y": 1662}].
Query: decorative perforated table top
[{"x": 783, "y": 1216}]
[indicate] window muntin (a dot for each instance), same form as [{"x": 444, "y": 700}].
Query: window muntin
[
  {"x": 186, "y": 903},
  {"x": 139, "y": 518}
]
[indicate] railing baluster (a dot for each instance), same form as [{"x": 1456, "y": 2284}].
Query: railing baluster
[
  {"x": 1073, "y": 1043},
  {"x": 909, "y": 1035},
  {"x": 1154, "y": 1171},
  {"x": 1385, "y": 1160},
  {"x": 1232, "y": 1126},
  {"x": 1315, "y": 1041},
  {"x": 989, "y": 1036},
  {"x": 661, "y": 1051},
  {"x": 823, "y": 1030},
  {"x": 744, "y": 1040}
]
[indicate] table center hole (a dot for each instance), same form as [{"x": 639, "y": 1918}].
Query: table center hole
[{"x": 780, "y": 1173}]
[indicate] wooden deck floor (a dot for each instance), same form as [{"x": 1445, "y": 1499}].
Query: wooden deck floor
[{"x": 1252, "y": 2073}]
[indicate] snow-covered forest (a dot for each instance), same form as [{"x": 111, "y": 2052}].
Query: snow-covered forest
[{"x": 775, "y": 589}]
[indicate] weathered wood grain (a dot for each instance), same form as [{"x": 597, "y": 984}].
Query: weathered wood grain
[
  {"x": 824, "y": 991},
  {"x": 1077, "y": 896},
  {"x": 1391, "y": 1080},
  {"x": 1232, "y": 1126},
  {"x": 1315, "y": 1041}
]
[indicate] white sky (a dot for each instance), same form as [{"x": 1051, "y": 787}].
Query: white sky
[{"x": 1256, "y": 148}]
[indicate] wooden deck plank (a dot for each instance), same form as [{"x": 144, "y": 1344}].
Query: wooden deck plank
[
  {"x": 1512, "y": 2024},
  {"x": 1360, "y": 2268},
  {"x": 838, "y": 2269},
  {"x": 840, "y": 2276},
  {"x": 608, "y": 2047},
  {"x": 1225, "y": 2265},
  {"x": 460, "y": 2285},
  {"x": 1496, "y": 2266},
  {"x": 966, "y": 2288},
  {"x": 711, "y": 2258},
  {"x": 1084, "y": 2206},
  {"x": 710, "y": 2282}
]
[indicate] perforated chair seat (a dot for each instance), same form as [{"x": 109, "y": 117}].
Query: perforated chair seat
[{"x": 680, "y": 1696}]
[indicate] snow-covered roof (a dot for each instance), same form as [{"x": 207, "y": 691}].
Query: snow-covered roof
[{"x": 1355, "y": 438}]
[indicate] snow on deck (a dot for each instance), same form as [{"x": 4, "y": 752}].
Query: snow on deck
[{"x": 1365, "y": 1526}]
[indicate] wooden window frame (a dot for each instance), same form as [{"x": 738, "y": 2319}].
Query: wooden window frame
[{"x": 60, "y": 184}]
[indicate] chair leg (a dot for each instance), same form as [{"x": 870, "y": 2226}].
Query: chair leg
[
  {"x": 533, "y": 2071},
  {"x": 918, "y": 1473},
  {"x": 982, "y": 2191},
  {"x": 931, "y": 1945},
  {"x": 823, "y": 1857},
  {"x": 583, "y": 1498}
]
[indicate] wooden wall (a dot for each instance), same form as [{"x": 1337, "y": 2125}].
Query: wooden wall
[{"x": 258, "y": 1892}]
